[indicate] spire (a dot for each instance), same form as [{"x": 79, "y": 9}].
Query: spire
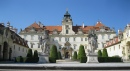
[{"x": 67, "y": 15}]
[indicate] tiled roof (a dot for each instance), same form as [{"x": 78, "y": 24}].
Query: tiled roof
[
  {"x": 59, "y": 28},
  {"x": 111, "y": 42},
  {"x": 34, "y": 25},
  {"x": 99, "y": 24}
]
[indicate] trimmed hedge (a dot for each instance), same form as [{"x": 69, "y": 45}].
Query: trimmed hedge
[
  {"x": 19, "y": 59},
  {"x": 59, "y": 55},
  {"x": 53, "y": 52},
  {"x": 104, "y": 54},
  {"x": 52, "y": 60},
  {"x": 109, "y": 59},
  {"x": 75, "y": 55},
  {"x": 99, "y": 53},
  {"x": 81, "y": 52},
  {"x": 83, "y": 59},
  {"x": 27, "y": 59}
]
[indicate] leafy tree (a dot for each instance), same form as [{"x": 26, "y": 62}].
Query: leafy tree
[
  {"x": 35, "y": 53},
  {"x": 53, "y": 52},
  {"x": 104, "y": 54},
  {"x": 81, "y": 52},
  {"x": 75, "y": 55},
  {"x": 29, "y": 54},
  {"x": 59, "y": 55},
  {"x": 99, "y": 53}
]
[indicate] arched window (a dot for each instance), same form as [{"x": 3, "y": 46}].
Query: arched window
[{"x": 67, "y": 31}]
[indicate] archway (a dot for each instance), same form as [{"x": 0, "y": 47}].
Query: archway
[
  {"x": 5, "y": 51},
  {"x": 67, "y": 55}
]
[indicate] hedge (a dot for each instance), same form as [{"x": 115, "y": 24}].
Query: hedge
[
  {"x": 27, "y": 59},
  {"x": 75, "y": 55},
  {"x": 52, "y": 60},
  {"x": 83, "y": 59},
  {"x": 81, "y": 52},
  {"x": 109, "y": 59}
]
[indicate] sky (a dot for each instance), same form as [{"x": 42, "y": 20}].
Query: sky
[{"x": 22, "y": 13}]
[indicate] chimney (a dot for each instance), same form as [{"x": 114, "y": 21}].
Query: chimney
[
  {"x": 8, "y": 24},
  {"x": 11, "y": 27},
  {"x": 15, "y": 30},
  {"x": 83, "y": 25},
  {"x": 2, "y": 24}
]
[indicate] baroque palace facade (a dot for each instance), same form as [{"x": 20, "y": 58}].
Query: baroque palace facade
[
  {"x": 120, "y": 44},
  {"x": 66, "y": 37},
  {"x": 11, "y": 44}
]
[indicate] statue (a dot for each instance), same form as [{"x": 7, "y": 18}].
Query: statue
[
  {"x": 92, "y": 57},
  {"x": 92, "y": 39},
  {"x": 43, "y": 40}
]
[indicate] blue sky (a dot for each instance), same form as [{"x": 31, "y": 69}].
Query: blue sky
[{"x": 22, "y": 13}]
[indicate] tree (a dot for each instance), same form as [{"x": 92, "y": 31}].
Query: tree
[
  {"x": 81, "y": 52},
  {"x": 53, "y": 52},
  {"x": 29, "y": 54},
  {"x": 99, "y": 53},
  {"x": 104, "y": 54},
  {"x": 59, "y": 55},
  {"x": 75, "y": 55},
  {"x": 35, "y": 53}
]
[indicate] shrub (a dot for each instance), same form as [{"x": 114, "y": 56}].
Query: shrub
[
  {"x": 99, "y": 53},
  {"x": 29, "y": 54},
  {"x": 59, "y": 55},
  {"x": 19, "y": 59},
  {"x": 81, "y": 52},
  {"x": 75, "y": 55},
  {"x": 109, "y": 59},
  {"x": 35, "y": 54},
  {"x": 52, "y": 60},
  {"x": 83, "y": 59},
  {"x": 53, "y": 52},
  {"x": 104, "y": 54}
]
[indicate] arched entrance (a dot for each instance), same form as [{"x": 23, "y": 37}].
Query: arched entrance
[
  {"x": 67, "y": 55},
  {"x": 5, "y": 51}
]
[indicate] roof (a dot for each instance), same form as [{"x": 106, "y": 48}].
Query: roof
[
  {"x": 99, "y": 24},
  {"x": 59, "y": 28},
  {"x": 34, "y": 25},
  {"x": 111, "y": 42}
]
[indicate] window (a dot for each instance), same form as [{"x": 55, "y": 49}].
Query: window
[
  {"x": 85, "y": 39},
  {"x": 114, "y": 48},
  {"x": 59, "y": 47},
  {"x": 68, "y": 39},
  {"x": 32, "y": 37},
  {"x": 67, "y": 31},
  {"x": 66, "y": 20},
  {"x": 14, "y": 47},
  {"x": 119, "y": 46},
  {"x": 108, "y": 36},
  {"x": 59, "y": 39},
  {"x": 23, "y": 49},
  {"x": 74, "y": 47},
  {"x": 102, "y": 36},
  {"x": 74, "y": 38},
  {"x": 85, "y": 47},
  {"x": 38, "y": 45},
  {"x": 81, "y": 39},
  {"x": 31, "y": 45},
  {"x": 19, "y": 48},
  {"x": 25, "y": 36}
]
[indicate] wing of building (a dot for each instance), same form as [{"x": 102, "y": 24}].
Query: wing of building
[
  {"x": 67, "y": 35},
  {"x": 11, "y": 44}
]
